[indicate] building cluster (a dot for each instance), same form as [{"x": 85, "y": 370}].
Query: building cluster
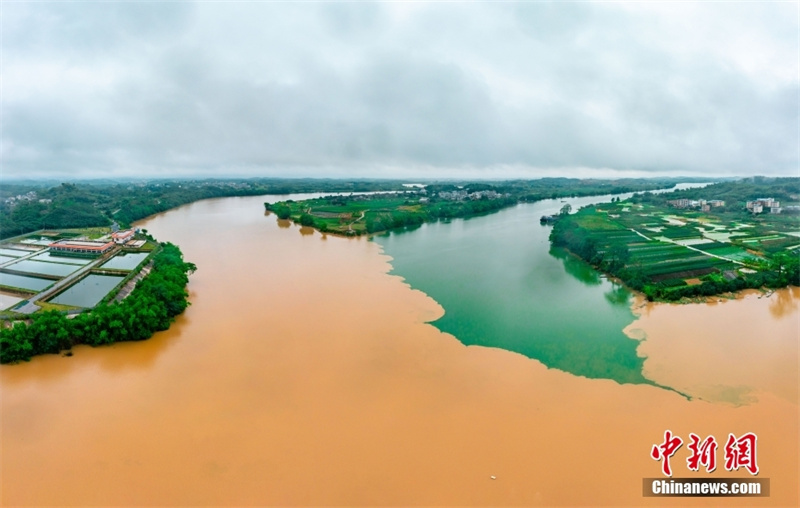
[
  {"x": 763, "y": 204},
  {"x": 462, "y": 195},
  {"x": 12, "y": 201},
  {"x": 702, "y": 204},
  {"x": 94, "y": 248},
  {"x": 121, "y": 237},
  {"x": 80, "y": 248}
]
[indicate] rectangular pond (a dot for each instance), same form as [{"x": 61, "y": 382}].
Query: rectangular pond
[
  {"x": 14, "y": 253},
  {"x": 89, "y": 291},
  {"x": 31, "y": 266},
  {"x": 125, "y": 261},
  {"x": 7, "y": 300},
  {"x": 5, "y": 259},
  {"x": 23, "y": 282},
  {"x": 46, "y": 256},
  {"x": 44, "y": 241}
]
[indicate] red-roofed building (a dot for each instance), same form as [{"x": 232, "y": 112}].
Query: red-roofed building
[
  {"x": 122, "y": 236},
  {"x": 81, "y": 248}
]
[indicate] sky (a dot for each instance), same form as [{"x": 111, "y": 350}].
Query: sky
[{"x": 399, "y": 89}]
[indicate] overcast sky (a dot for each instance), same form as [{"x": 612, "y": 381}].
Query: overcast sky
[{"x": 399, "y": 89}]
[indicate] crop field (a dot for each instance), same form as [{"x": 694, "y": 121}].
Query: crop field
[
  {"x": 779, "y": 244},
  {"x": 655, "y": 252},
  {"x": 732, "y": 238},
  {"x": 356, "y": 215},
  {"x": 704, "y": 242},
  {"x": 727, "y": 250},
  {"x": 681, "y": 232},
  {"x": 686, "y": 267},
  {"x": 332, "y": 205},
  {"x": 615, "y": 237},
  {"x": 661, "y": 260},
  {"x": 597, "y": 222},
  {"x": 678, "y": 248}
]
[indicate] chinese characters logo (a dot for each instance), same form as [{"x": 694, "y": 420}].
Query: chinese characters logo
[{"x": 739, "y": 452}]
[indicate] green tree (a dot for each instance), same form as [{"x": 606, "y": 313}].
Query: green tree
[{"x": 307, "y": 219}]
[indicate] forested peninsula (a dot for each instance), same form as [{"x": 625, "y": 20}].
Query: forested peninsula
[{"x": 151, "y": 307}]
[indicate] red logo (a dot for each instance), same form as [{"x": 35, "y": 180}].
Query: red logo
[
  {"x": 666, "y": 450},
  {"x": 739, "y": 452},
  {"x": 704, "y": 453}
]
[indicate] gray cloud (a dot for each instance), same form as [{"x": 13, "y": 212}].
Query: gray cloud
[{"x": 383, "y": 90}]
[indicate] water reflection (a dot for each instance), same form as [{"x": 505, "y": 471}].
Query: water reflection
[
  {"x": 576, "y": 267},
  {"x": 784, "y": 303},
  {"x": 618, "y": 295}
]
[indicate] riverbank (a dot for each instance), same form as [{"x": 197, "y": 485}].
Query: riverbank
[{"x": 305, "y": 374}]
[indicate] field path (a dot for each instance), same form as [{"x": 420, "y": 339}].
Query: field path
[
  {"x": 668, "y": 240},
  {"x": 350, "y": 226}
]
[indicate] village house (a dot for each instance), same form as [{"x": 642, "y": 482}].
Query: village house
[
  {"x": 121, "y": 237},
  {"x": 760, "y": 204},
  {"x": 704, "y": 205}
]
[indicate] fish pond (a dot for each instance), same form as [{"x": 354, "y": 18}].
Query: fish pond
[
  {"x": 14, "y": 253},
  {"x": 8, "y": 300},
  {"x": 46, "y": 256},
  {"x": 88, "y": 291},
  {"x": 41, "y": 267},
  {"x": 23, "y": 282},
  {"x": 125, "y": 261}
]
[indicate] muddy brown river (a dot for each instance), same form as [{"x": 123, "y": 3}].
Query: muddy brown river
[{"x": 304, "y": 373}]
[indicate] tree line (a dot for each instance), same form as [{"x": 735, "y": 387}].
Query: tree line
[{"x": 81, "y": 205}]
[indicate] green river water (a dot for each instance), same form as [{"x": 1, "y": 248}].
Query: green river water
[{"x": 501, "y": 285}]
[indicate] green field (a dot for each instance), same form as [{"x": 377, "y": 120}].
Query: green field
[{"x": 662, "y": 251}]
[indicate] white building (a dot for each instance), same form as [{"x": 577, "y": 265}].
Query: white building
[{"x": 121, "y": 237}]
